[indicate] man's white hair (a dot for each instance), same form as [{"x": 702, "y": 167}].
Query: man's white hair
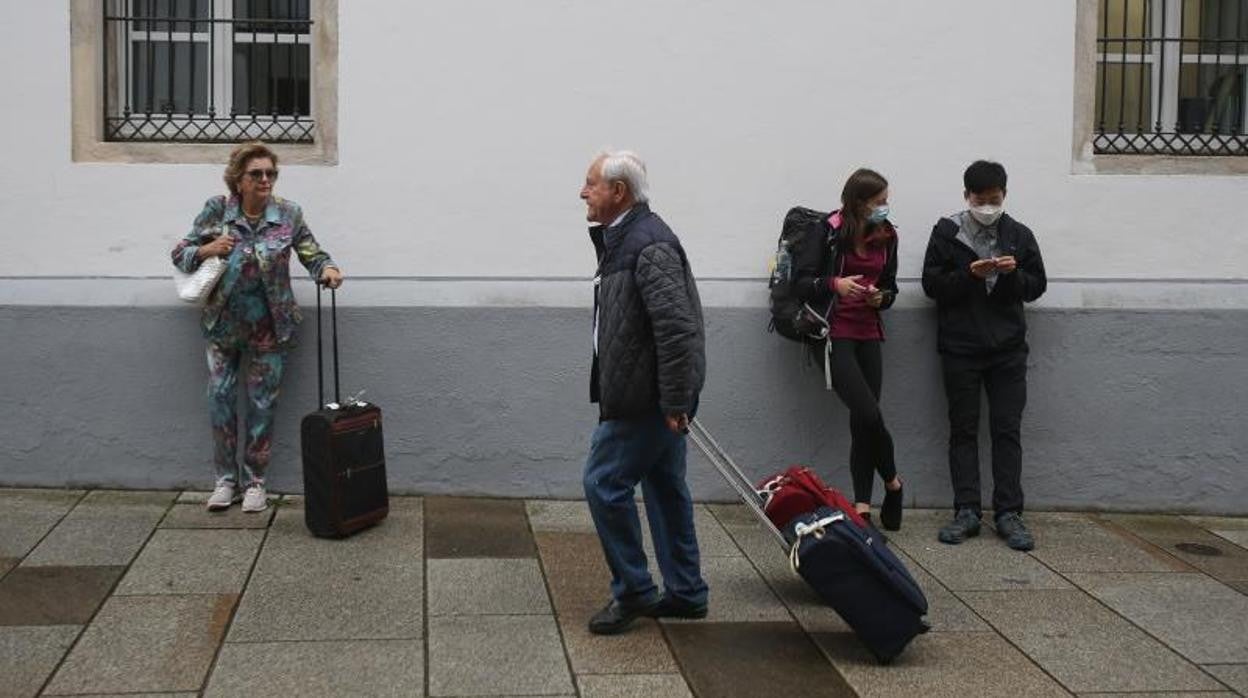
[{"x": 627, "y": 167}]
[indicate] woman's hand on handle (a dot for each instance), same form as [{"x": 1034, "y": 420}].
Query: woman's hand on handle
[{"x": 331, "y": 277}]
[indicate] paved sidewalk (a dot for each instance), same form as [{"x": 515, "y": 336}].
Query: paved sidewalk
[{"x": 106, "y": 593}]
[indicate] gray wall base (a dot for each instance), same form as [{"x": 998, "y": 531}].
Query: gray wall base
[{"x": 1127, "y": 410}]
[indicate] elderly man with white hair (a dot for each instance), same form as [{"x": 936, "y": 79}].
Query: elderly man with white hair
[{"x": 648, "y": 369}]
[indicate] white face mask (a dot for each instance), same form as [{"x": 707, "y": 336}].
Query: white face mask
[{"x": 986, "y": 214}]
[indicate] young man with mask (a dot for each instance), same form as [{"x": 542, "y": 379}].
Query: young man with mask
[{"x": 981, "y": 266}]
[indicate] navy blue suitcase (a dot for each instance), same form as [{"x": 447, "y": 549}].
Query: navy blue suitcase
[
  {"x": 854, "y": 572},
  {"x": 849, "y": 566}
]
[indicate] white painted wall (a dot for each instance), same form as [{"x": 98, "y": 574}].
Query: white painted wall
[{"x": 466, "y": 126}]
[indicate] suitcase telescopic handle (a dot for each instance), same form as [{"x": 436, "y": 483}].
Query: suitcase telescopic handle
[
  {"x": 733, "y": 474},
  {"x": 320, "y": 346}
]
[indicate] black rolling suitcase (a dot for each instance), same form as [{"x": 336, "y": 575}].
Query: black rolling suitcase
[
  {"x": 849, "y": 566},
  {"x": 344, "y": 462}
]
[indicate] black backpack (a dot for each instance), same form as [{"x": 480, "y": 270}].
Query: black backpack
[{"x": 802, "y": 245}]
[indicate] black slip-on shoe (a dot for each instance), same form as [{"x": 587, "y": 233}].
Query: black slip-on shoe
[{"x": 890, "y": 510}]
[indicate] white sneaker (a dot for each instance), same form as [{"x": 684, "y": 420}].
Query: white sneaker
[
  {"x": 221, "y": 498},
  {"x": 255, "y": 499}
]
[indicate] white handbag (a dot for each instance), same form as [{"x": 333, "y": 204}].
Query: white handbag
[{"x": 197, "y": 286}]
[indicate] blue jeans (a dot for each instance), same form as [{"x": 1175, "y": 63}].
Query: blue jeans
[{"x": 622, "y": 454}]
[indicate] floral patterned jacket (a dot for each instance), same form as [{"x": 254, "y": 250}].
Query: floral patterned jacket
[{"x": 282, "y": 230}]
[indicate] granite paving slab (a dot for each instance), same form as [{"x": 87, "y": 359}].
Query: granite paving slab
[
  {"x": 146, "y": 644},
  {"x": 1198, "y": 617},
  {"x": 738, "y": 593},
  {"x": 1209, "y": 553},
  {"x": 26, "y": 516},
  {"x": 54, "y": 595},
  {"x": 578, "y": 580},
  {"x": 105, "y": 528},
  {"x": 634, "y": 686},
  {"x": 491, "y": 655},
  {"x": 940, "y": 665},
  {"x": 28, "y": 655},
  {"x": 477, "y": 527},
  {"x": 467, "y": 586},
  {"x": 331, "y": 668},
  {"x": 368, "y": 586},
  {"x": 753, "y": 659},
  {"x": 983, "y": 563},
  {"x": 1234, "y": 676},
  {"x": 178, "y": 561},
  {"x": 559, "y": 516},
  {"x": 1083, "y": 543},
  {"x": 196, "y": 516},
  {"x": 1084, "y": 645}
]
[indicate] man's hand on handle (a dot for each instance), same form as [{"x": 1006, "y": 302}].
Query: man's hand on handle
[{"x": 678, "y": 423}]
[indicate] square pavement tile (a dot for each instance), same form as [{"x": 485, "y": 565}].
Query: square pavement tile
[
  {"x": 573, "y": 517},
  {"x": 54, "y": 595},
  {"x": 28, "y": 655},
  {"x": 578, "y": 580},
  {"x": 753, "y": 659},
  {"x": 1211, "y": 554},
  {"x": 196, "y": 516},
  {"x": 335, "y": 668},
  {"x": 1084, "y": 645},
  {"x": 548, "y": 515},
  {"x": 368, "y": 586},
  {"x": 467, "y": 586},
  {"x": 491, "y": 655},
  {"x": 105, "y": 528},
  {"x": 939, "y": 665},
  {"x": 1238, "y": 537},
  {"x": 472, "y": 527},
  {"x": 983, "y": 563},
  {"x": 146, "y": 644},
  {"x": 1196, "y": 616},
  {"x": 633, "y": 686},
  {"x": 738, "y": 593},
  {"x": 27, "y": 515},
  {"x": 1083, "y": 543},
  {"x": 193, "y": 562},
  {"x": 1233, "y": 675}
]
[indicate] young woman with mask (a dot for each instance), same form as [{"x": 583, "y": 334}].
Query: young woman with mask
[{"x": 856, "y": 279}]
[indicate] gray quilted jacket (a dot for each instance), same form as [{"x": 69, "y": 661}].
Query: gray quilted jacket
[{"x": 650, "y": 342}]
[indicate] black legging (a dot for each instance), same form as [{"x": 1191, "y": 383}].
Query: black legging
[{"x": 857, "y": 372}]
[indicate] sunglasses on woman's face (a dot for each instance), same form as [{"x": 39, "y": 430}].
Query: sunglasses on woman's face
[{"x": 257, "y": 175}]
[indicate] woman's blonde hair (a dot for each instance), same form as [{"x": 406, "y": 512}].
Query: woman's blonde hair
[{"x": 243, "y": 154}]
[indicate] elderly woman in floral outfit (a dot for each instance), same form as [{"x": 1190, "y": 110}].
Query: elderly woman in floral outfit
[{"x": 251, "y": 311}]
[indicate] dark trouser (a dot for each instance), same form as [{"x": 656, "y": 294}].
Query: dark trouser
[
  {"x": 624, "y": 453},
  {"x": 857, "y": 374},
  {"x": 1004, "y": 377}
]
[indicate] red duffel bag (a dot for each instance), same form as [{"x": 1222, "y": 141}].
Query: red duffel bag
[{"x": 799, "y": 491}]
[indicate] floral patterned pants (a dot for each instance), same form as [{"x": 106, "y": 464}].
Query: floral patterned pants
[{"x": 263, "y": 376}]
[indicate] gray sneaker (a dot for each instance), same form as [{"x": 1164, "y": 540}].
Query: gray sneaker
[
  {"x": 965, "y": 525},
  {"x": 1010, "y": 527}
]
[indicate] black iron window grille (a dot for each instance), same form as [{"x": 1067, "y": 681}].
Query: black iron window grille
[
  {"x": 1171, "y": 77},
  {"x": 208, "y": 71}
]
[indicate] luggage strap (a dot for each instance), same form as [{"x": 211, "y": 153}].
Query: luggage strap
[{"x": 814, "y": 528}]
